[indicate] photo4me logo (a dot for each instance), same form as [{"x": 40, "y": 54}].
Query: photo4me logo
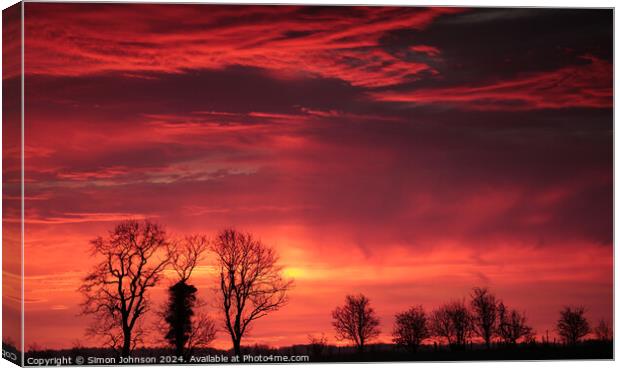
[{"x": 9, "y": 355}]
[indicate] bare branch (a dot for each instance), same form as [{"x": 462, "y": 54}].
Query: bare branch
[{"x": 186, "y": 255}]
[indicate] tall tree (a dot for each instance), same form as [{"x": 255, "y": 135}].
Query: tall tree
[
  {"x": 356, "y": 321},
  {"x": 411, "y": 328},
  {"x": 484, "y": 314},
  {"x": 251, "y": 281},
  {"x": 134, "y": 254},
  {"x": 512, "y": 325},
  {"x": 573, "y": 325},
  {"x": 184, "y": 329},
  {"x": 452, "y": 322}
]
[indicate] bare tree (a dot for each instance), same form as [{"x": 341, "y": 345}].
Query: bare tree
[
  {"x": 573, "y": 325},
  {"x": 318, "y": 344},
  {"x": 603, "y": 331},
  {"x": 116, "y": 292},
  {"x": 356, "y": 321},
  {"x": 411, "y": 328},
  {"x": 251, "y": 282},
  {"x": 452, "y": 322},
  {"x": 202, "y": 334},
  {"x": 184, "y": 330},
  {"x": 484, "y": 314},
  {"x": 512, "y": 325}
]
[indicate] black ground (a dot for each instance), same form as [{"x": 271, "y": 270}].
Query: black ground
[{"x": 590, "y": 350}]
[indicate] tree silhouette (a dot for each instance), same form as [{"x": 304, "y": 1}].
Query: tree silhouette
[
  {"x": 572, "y": 325},
  {"x": 116, "y": 292},
  {"x": 452, "y": 322},
  {"x": 411, "y": 328},
  {"x": 484, "y": 314},
  {"x": 318, "y": 344},
  {"x": 185, "y": 330},
  {"x": 179, "y": 314},
  {"x": 356, "y": 321},
  {"x": 251, "y": 282},
  {"x": 512, "y": 325},
  {"x": 603, "y": 331},
  {"x": 202, "y": 334}
]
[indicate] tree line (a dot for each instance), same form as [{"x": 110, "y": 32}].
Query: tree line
[
  {"x": 457, "y": 323},
  {"x": 134, "y": 255}
]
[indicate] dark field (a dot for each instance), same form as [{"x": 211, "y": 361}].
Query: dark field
[{"x": 590, "y": 350}]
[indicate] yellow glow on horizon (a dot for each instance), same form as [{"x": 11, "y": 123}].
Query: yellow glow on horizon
[{"x": 295, "y": 272}]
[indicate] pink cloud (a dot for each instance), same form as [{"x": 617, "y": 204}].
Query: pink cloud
[
  {"x": 335, "y": 46},
  {"x": 426, "y": 49}
]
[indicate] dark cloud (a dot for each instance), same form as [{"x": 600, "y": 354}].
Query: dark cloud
[
  {"x": 484, "y": 45},
  {"x": 234, "y": 89}
]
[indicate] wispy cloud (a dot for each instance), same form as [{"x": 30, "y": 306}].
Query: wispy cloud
[
  {"x": 586, "y": 85},
  {"x": 75, "y": 218},
  {"x": 282, "y": 39}
]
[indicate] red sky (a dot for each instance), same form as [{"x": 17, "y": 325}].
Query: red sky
[{"x": 409, "y": 154}]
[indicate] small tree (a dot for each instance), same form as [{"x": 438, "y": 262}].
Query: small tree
[
  {"x": 603, "y": 331},
  {"x": 202, "y": 334},
  {"x": 484, "y": 314},
  {"x": 134, "y": 255},
  {"x": 411, "y": 328},
  {"x": 572, "y": 325},
  {"x": 251, "y": 282},
  {"x": 318, "y": 344},
  {"x": 512, "y": 325},
  {"x": 356, "y": 321},
  {"x": 452, "y": 322}
]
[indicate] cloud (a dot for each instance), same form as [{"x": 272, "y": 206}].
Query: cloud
[
  {"x": 12, "y": 45},
  {"x": 587, "y": 85},
  {"x": 73, "y": 218},
  {"x": 283, "y": 39},
  {"x": 426, "y": 49}
]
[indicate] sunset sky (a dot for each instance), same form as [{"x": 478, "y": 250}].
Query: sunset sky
[{"x": 409, "y": 154}]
